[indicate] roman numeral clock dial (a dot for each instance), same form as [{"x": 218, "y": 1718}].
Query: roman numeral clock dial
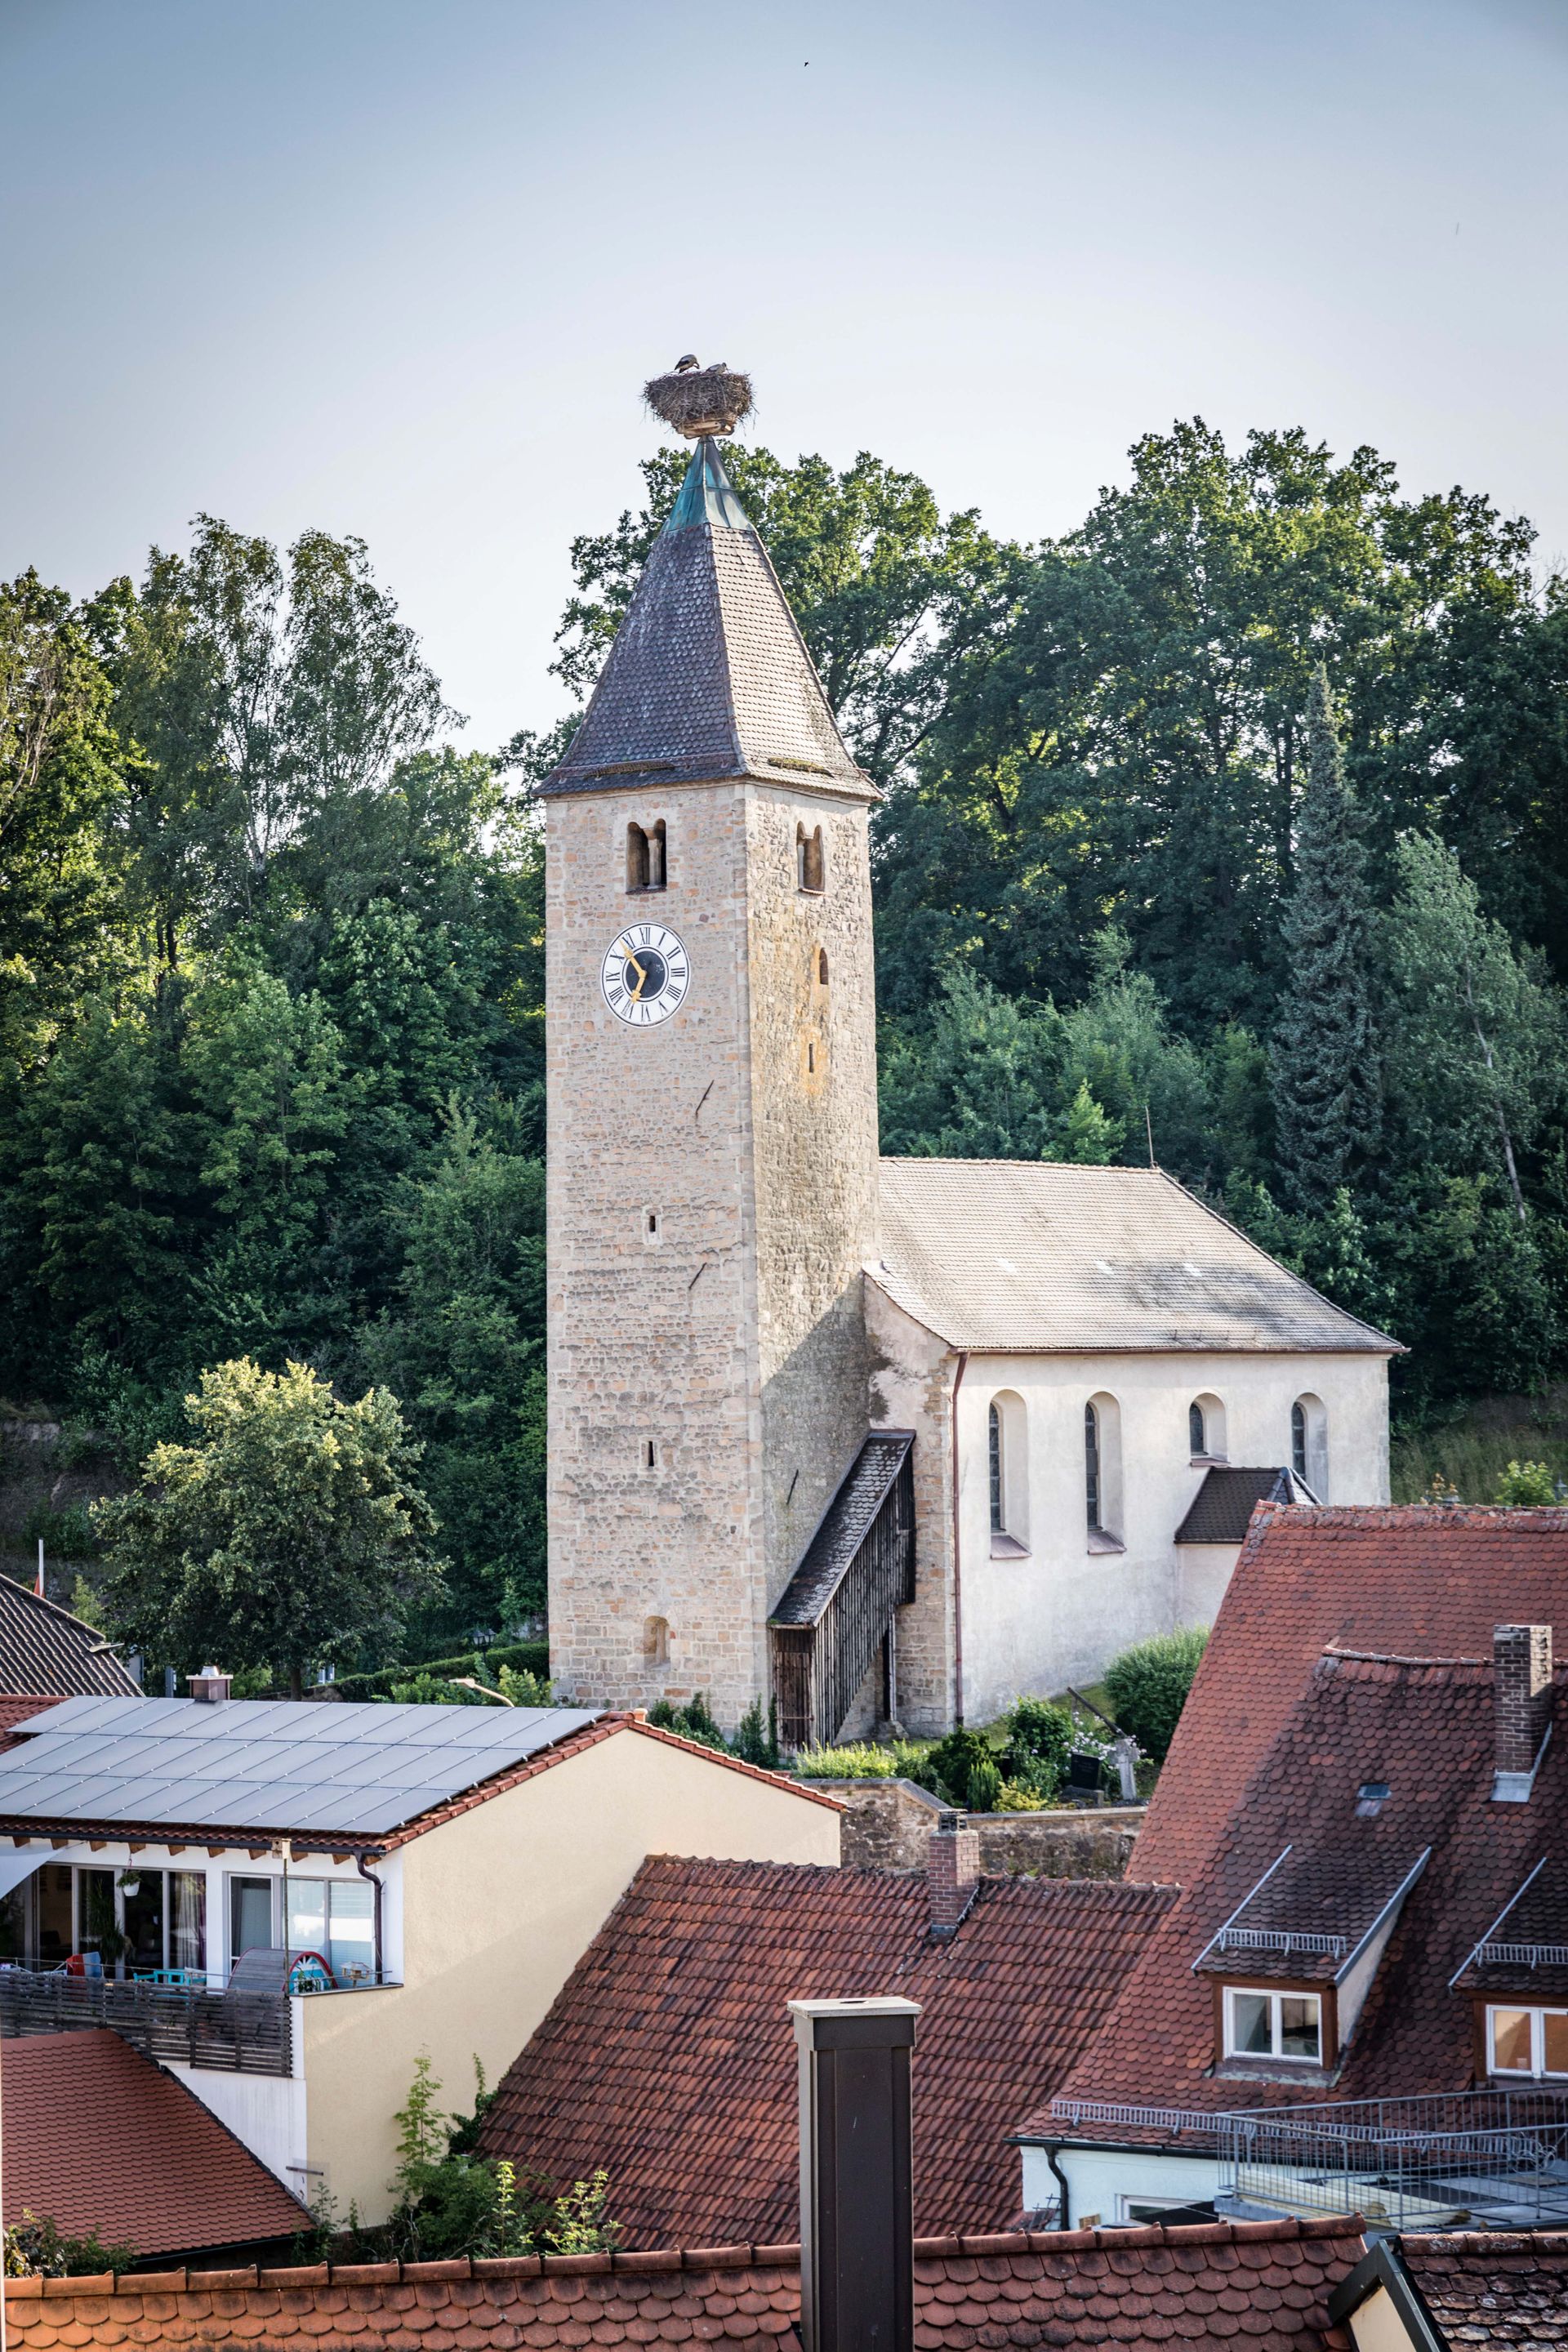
[{"x": 645, "y": 975}]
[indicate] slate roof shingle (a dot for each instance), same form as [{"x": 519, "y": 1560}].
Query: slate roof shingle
[
  {"x": 1028, "y": 1257},
  {"x": 667, "y": 2056},
  {"x": 1263, "y": 2285},
  {"x": 43, "y": 1648},
  {"x": 1415, "y": 1581},
  {"x": 1223, "y": 1504},
  {"x": 708, "y": 676},
  {"x": 98, "y": 2137}
]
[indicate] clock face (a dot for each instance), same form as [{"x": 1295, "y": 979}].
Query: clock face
[{"x": 644, "y": 974}]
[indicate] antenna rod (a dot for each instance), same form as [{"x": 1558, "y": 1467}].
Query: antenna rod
[{"x": 1149, "y": 1125}]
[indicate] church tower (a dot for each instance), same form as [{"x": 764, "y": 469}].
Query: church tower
[{"x": 712, "y": 1114}]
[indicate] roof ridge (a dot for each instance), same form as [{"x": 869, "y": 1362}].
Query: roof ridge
[{"x": 738, "y": 2256}]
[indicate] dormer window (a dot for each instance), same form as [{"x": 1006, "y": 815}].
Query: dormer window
[
  {"x": 1532, "y": 2042},
  {"x": 1287, "y": 2027}
]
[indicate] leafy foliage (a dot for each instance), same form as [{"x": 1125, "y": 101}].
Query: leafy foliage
[
  {"x": 289, "y": 1528},
  {"x": 450, "y": 2201},
  {"x": 1528, "y": 1482},
  {"x": 1148, "y": 1686},
  {"x": 38, "y": 2248}
]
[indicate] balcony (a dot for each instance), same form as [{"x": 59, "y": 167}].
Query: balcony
[{"x": 236, "y": 2032}]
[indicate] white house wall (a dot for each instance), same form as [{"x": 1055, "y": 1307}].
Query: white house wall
[
  {"x": 1103, "y": 2182},
  {"x": 1059, "y": 1614},
  {"x": 266, "y": 2111}
]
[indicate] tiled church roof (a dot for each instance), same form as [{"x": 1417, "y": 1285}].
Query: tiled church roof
[
  {"x": 1028, "y": 1257},
  {"x": 708, "y": 676}
]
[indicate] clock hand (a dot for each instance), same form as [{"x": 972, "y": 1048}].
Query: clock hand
[{"x": 641, "y": 973}]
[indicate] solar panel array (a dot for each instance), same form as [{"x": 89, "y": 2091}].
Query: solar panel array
[{"x": 283, "y": 1765}]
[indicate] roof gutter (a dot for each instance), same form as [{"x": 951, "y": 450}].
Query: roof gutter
[{"x": 957, "y": 1566}]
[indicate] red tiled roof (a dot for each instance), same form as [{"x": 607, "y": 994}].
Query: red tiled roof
[
  {"x": 20, "y": 1706},
  {"x": 99, "y": 2139},
  {"x": 1427, "y": 1732},
  {"x": 1261, "y": 2285},
  {"x": 1494, "y": 2288},
  {"x": 1416, "y": 1582},
  {"x": 667, "y": 2056}
]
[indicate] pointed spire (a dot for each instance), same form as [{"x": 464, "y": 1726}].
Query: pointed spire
[{"x": 708, "y": 676}]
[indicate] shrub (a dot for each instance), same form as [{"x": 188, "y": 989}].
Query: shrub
[
  {"x": 953, "y": 1760},
  {"x": 857, "y": 1761},
  {"x": 430, "y": 1690},
  {"x": 1015, "y": 1798},
  {"x": 985, "y": 1785},
  {"x": 1148, "y": 1686},
  {"x": 1039, "y": 1741},
  {"x": 453, "y": 2202},
  {"x": 38, "y": 2248},
  {"x": 756, "y": 1740},
  {"x": 1526, "y": 1482},
  {"x": 524, "y": 1687},
  {"x": 692, "y": 1721}
]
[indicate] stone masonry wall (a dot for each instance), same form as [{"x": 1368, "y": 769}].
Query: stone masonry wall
[
  {"x": 911, "y": 1376},
  {"x": 814, "y": 1130},
  {"x": 887, "y": 1824},
  {"x": 732, "y": 1342}
]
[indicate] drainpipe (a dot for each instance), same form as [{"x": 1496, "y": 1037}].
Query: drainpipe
[
  {"x": 375, "y": 1881},
  {"x": 1050, "y": 2147},
  {"x": 957, "y": 1572}
]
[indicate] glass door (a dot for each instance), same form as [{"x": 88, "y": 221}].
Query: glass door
[{"x": 249, "y": 1917}]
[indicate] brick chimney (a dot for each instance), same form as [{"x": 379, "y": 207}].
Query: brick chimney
[
  {"x": 952, "y": 1872},
  {"x": 857, "y": 2213},
  {"x": 1521, "y": 1696}
]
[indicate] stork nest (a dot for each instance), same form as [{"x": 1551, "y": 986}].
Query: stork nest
[{"x": 700, "y": 401}]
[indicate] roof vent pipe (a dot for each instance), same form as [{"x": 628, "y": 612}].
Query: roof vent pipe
[
  {"x": 210, "y": 1685},
  {"x": 856, "y": 2212},
  {"x": 1521, "y": 1698},
  {"x": 952, "y": 1872}
]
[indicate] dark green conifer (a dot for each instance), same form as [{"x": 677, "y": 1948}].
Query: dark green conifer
[{"x": 1323, "y": 1066}]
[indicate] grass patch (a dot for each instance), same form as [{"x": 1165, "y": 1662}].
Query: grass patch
[{"x": 1471, "y": 1453}]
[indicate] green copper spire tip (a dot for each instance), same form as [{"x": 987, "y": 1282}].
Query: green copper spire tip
[{"x": 707, "y": 495}]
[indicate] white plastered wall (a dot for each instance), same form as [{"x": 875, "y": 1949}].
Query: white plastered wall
[
  {"x": 1102, "y": 2182},
  {"x": 497, "y": 1907},
  {"x": 1061, "y": 1613}
]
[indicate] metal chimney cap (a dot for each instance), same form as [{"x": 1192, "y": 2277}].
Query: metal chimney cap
[
  {"x": 210, "y": 1685},
  {"x": 874, "y": 2020}
]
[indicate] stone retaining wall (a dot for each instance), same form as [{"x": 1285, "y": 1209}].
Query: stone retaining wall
[{"x": 887, "y": 1824}]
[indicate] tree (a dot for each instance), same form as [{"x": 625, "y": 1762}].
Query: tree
[
  {"x": 288, "y": 1531},
  {"x": 1476, "y": 1045},
  {"x": 1327, "y": 1107}
]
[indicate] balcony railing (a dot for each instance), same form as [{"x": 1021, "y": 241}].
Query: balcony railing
[
  {"x": 232, "y": 2033},
  {"x": 837, "y": 1612}
]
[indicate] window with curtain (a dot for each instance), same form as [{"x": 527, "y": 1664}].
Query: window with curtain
[{"x": 187, "y": 1919}]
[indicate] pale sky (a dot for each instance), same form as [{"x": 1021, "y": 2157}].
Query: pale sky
[{"x": 400, "y": 267}]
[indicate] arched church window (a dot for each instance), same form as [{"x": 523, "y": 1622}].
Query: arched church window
[
  {"x": 994, "y": 1436},
  {"x": 1309, "y": 1444},
  {"x": 810, "y": 871},
  {"x": 1196, "y": 1441},
  {"x": 1092, "y": 1464},
  {"x": 1205, "y": 1429}
]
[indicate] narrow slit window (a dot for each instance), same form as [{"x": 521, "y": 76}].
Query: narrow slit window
[
  {"x": 649, "y": 1454},
  {"x": 810, "y": 1057},
  {"x": 822, "y": 967},
  {"x": 809, "y": 866}
]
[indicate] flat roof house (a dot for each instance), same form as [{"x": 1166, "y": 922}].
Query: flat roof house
[{"x": 285, "y": 1902}]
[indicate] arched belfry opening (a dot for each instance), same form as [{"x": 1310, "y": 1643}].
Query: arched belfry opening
[{"x": 646, "y": 858}]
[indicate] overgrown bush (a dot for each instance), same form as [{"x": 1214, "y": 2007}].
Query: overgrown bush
[
  {"x": 1528, "y": 1482},
  {"x": 859, "y": 1760},
  {"x": 39, "y": 2248},
  {"x": 756, "y": 1740},
  {"x": 1039, "y": 1741},
  {"x": 693, "y": 1721},
  {"x": 985, "y": 1790},
  {"x": 1148, "y": 1686},
  {"x": 951, "y": 1763}
]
